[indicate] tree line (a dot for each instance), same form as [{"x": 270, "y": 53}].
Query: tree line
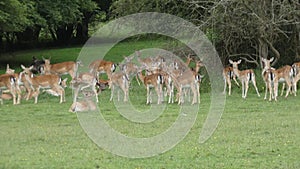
[
  {"x": 248, "y": 29},
  {"x": 60, "y": 21}
]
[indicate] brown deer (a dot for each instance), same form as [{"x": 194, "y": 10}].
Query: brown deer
[
  {"x": 245, "y": 77},
  {"x": 51, "y": 81}
]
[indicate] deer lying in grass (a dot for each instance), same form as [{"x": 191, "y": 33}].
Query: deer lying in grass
[
  {"x": 51, "y": 81},
  {"x": 61, "y": 68},
  {"x": 245, "y": 77},
  {"x": 83, "y": 81},
  {"x": 101, "y": 66},
  {"x": 87, "y": 104}
]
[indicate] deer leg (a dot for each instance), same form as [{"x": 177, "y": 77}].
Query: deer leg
[
  {"x": 289, "y": 85},
  {"x": 266, "y": 90},
  {"x": 254, "y": 84},
  {"x": 193, "y": 88},
  {"x": 225, "y": 86},
  {"x": 229, "y": 87},
  {"x": 243, "y": 88},
  {"x": 112, "y": 92}
]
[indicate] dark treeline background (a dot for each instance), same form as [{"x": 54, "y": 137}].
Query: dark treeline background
[{"x": 248, "y": 29}]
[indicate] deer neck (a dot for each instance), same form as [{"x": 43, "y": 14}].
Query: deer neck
[{"x": 236, "y": 71}]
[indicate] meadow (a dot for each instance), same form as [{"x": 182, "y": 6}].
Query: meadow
[{"x": 252, "y": 133}]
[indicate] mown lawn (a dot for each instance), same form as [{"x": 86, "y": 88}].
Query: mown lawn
[{"x": 252, "y": 133}]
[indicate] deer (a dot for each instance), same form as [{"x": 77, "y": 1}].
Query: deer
[
  {"x": 62, "y": 68},
  {"x": 51, "y": 81},
  {"x": 245, "y": 77},
  {"x": 82, "y": 81},
  {"x": 296, "y": 75},
  {"x": 188, "y": 60},
  {"x": 152, "y": 81},
  {"x": 37, "y": 64},
  {"x": 187, "y": 79},
  {"x": 284, "y": 74},
  {"x": 9, "y": 82},
  {"x": 119, "y": 79},
  {"x": 101, "y": 66},
  {"x": 228, "y": 74},
  {"x": 21, "y": 81},
  {"x": 87, "y": 104}
]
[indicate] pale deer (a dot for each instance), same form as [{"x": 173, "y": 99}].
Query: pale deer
[
  {"x": 9, "y": 82},
  {"x": 121, "y": 80},
  {"x": 187, "y": 79},
  {"x": 284, "y": 74},
  {"x": 51, "y": 81},
  {"x": 228, "y": 75},
  {"x": 87, "y": 104},
  {"x": 83, "y": 81},
  {"x": 152, "y": 81},
  {"x": 101, "y": 66},
  {"x": 270, "y": 78},
  {"x": 245, "y": 77},
  {"x": 296, "y": 75},
  {"x": 62, "y": 68},
  {"x": 21, "y": 81}
]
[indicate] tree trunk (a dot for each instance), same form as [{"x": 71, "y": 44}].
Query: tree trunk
[
  {"x": 262, "y": 50},
  {"x": 64, "y": 34}
]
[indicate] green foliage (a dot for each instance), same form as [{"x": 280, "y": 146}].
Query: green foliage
[{"x": 13, "y": 16}]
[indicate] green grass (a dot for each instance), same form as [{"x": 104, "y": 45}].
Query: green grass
[{"x": 252, "y": 133}]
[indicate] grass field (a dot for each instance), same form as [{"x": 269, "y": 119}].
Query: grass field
[{"x": 252, "y": 133}]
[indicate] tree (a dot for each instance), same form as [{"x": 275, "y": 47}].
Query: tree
[
  {"x": 12, "y": 19},
  {"x": 252, "y": 28}
]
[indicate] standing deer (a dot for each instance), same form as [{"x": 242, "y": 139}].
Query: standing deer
[{"x": 245, "y": 77}]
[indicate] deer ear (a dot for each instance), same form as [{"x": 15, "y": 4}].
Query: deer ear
[
  {"x": 230, "y": 61},
  {"x": 238, "y": 62},
  {"x": 272, "y": 59},
  {"x": 23, "y": 67}
]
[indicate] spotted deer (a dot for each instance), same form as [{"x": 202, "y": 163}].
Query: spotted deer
[
  {"x": 245, "y": 77},
  {"x": 49, "y": 81}
]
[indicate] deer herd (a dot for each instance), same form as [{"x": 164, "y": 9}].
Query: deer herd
[{"x": 161, "y": 74}]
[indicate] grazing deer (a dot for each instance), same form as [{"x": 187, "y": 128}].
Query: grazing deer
[
  {"x": 228, "y": 74},
  {"x": 69, "y": 67},
  {"x": 83, "y": 81},
  {"x": 87, "y": 104},
  {"x": 119, "y": 79},
  {"x": 102, "y": 66},
  {"x": 51, "y": 81},
  {"x": 9, "y": 82},
  {"x": 152, "y": 81},
  {"x": 245, "y": 77}
]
